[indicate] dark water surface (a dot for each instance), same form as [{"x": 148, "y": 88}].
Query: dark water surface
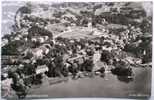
[{"x": 109, "y": 86}]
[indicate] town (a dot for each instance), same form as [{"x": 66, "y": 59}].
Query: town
[{"x": 71, "y": 41}]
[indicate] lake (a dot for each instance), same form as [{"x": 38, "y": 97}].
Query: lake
[{"x": 109, "y": 86}]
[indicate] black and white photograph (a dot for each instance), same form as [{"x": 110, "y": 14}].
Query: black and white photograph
[{"x": 76, "y": 49}]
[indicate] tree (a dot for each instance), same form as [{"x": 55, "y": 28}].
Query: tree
[
  {"x": 7, "y": 37},
  {"x": 11, "y": 48}
]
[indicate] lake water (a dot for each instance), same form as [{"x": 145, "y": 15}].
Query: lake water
[{"x": 109, "y": 86}]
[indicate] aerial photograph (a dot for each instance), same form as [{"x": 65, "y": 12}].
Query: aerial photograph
[{"x": 76, "y": 49}]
